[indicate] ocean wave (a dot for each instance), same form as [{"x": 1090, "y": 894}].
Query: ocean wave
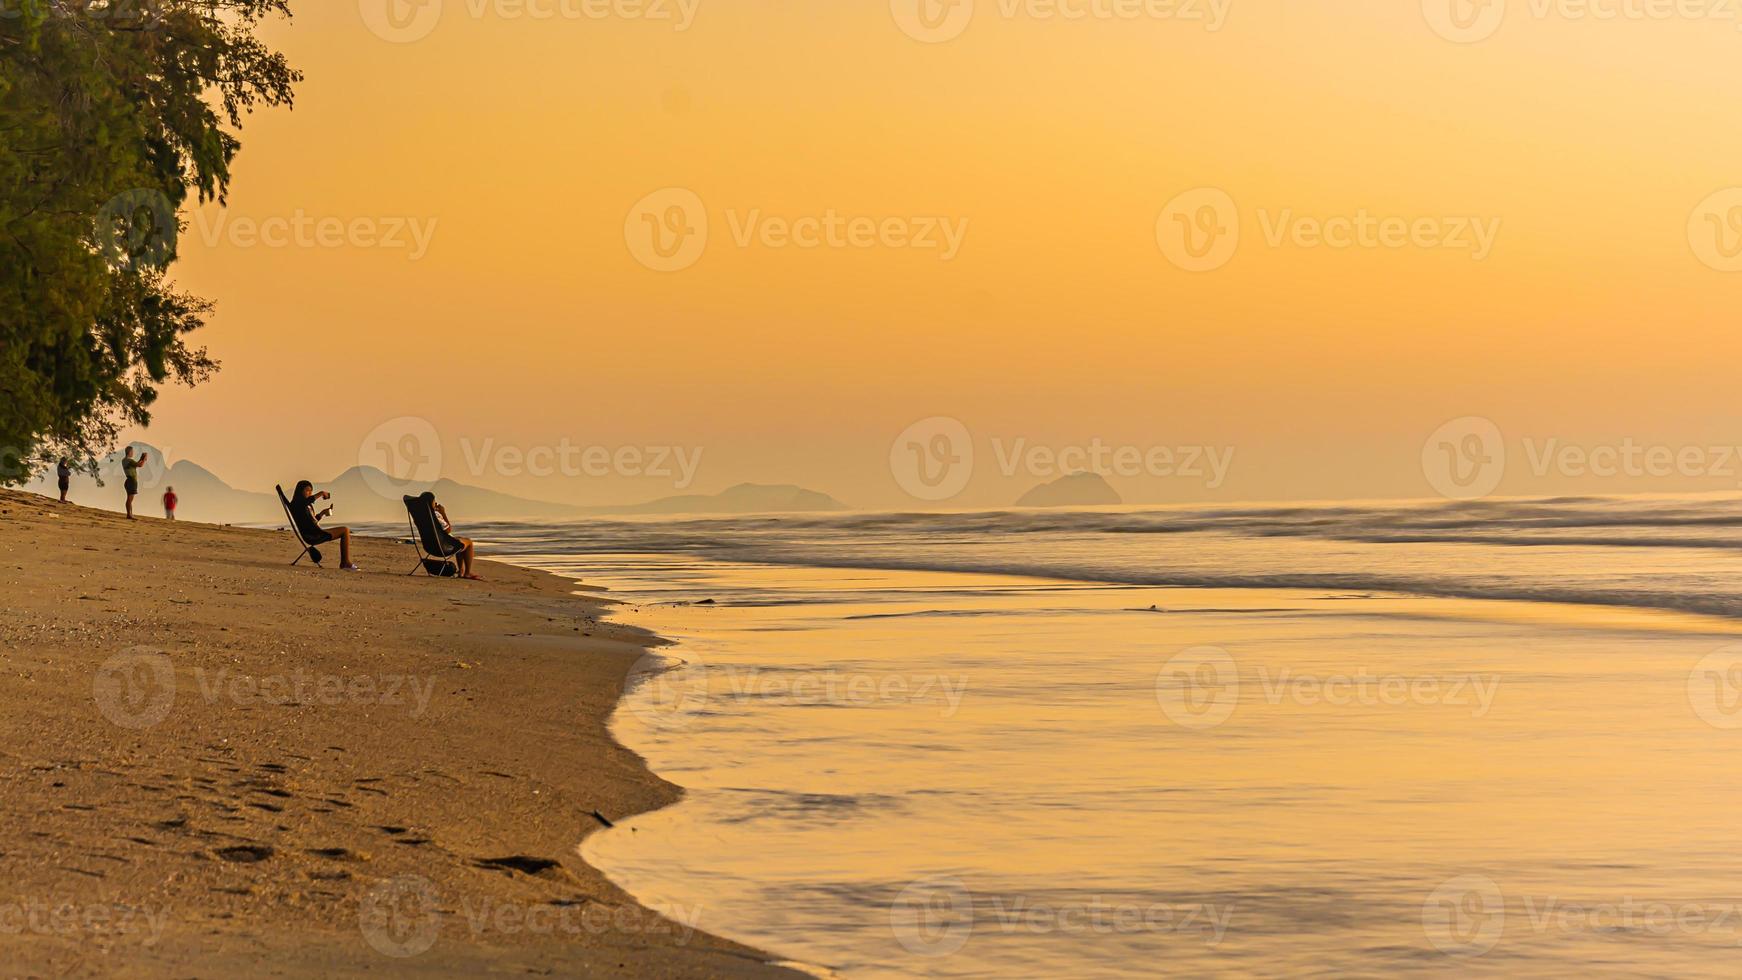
[{"x": 1652, "y": 553}]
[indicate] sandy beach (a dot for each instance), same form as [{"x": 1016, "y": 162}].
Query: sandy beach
[{"x": 215, "y": 762}]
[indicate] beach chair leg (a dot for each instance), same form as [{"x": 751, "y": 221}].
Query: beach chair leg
[{"x": 416, "y": 548}]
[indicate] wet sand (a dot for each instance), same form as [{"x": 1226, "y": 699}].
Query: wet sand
[{"x": 213, "y": 762}]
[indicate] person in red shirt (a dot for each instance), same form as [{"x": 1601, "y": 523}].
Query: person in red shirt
[{"x": 169, "y": 501}]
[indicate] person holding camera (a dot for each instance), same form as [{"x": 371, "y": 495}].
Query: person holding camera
[
  {"x": 130, "y": 476},
  {"x": 308, "y": 523}
]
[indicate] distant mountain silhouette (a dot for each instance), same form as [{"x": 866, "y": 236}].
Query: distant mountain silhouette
[
  {"x": 1076, "y": 490},
  {"x": 364, "y": 494},
  {"x": 202, "y": 495},
  {"x": 745, "y": 498}
]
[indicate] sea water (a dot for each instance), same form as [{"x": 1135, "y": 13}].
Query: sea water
[{"x": 1343, "y": 740}]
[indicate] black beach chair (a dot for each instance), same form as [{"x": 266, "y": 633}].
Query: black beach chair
[
  {"x": 437, "y": 556},
  {"x": 308, "y": 550}
]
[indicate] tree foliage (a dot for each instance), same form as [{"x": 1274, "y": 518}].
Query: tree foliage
[{"x": 113, "y": 115}]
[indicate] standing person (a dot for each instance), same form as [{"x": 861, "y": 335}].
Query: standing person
[
  {"x": 130, "y": 469},
  {"x": 64, "y": 471},
  {"x": 308, "y": 523},
  {"x": 169, "y": 501}
]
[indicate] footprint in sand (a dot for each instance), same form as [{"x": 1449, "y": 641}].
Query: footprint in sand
[
  {"x": 244, "y": 853},
  {"x": 338, "y": 854},
  {"x": 521, "y": 863}
]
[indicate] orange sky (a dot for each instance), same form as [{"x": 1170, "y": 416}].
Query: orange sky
[{"x": 519, "y": 146}]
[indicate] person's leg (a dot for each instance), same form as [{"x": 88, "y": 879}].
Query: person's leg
[
  {"x": 129, "y": 506},
  {"x": 466, "y": 558},
  {"x": 344, "y": 536}
]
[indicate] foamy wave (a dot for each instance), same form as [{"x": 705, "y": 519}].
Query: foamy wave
[{"x": 1659, "y": 553}]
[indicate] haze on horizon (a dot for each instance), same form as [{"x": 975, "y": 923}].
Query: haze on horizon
[{"x": 1539, "y": 228}]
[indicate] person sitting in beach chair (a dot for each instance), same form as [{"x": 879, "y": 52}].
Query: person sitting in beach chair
[
  {"x": 440, "y": 552},
  {"x": 307, "y": 523}
]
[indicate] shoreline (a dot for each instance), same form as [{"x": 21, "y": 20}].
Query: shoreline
[{"x": 215, "y": 761}]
